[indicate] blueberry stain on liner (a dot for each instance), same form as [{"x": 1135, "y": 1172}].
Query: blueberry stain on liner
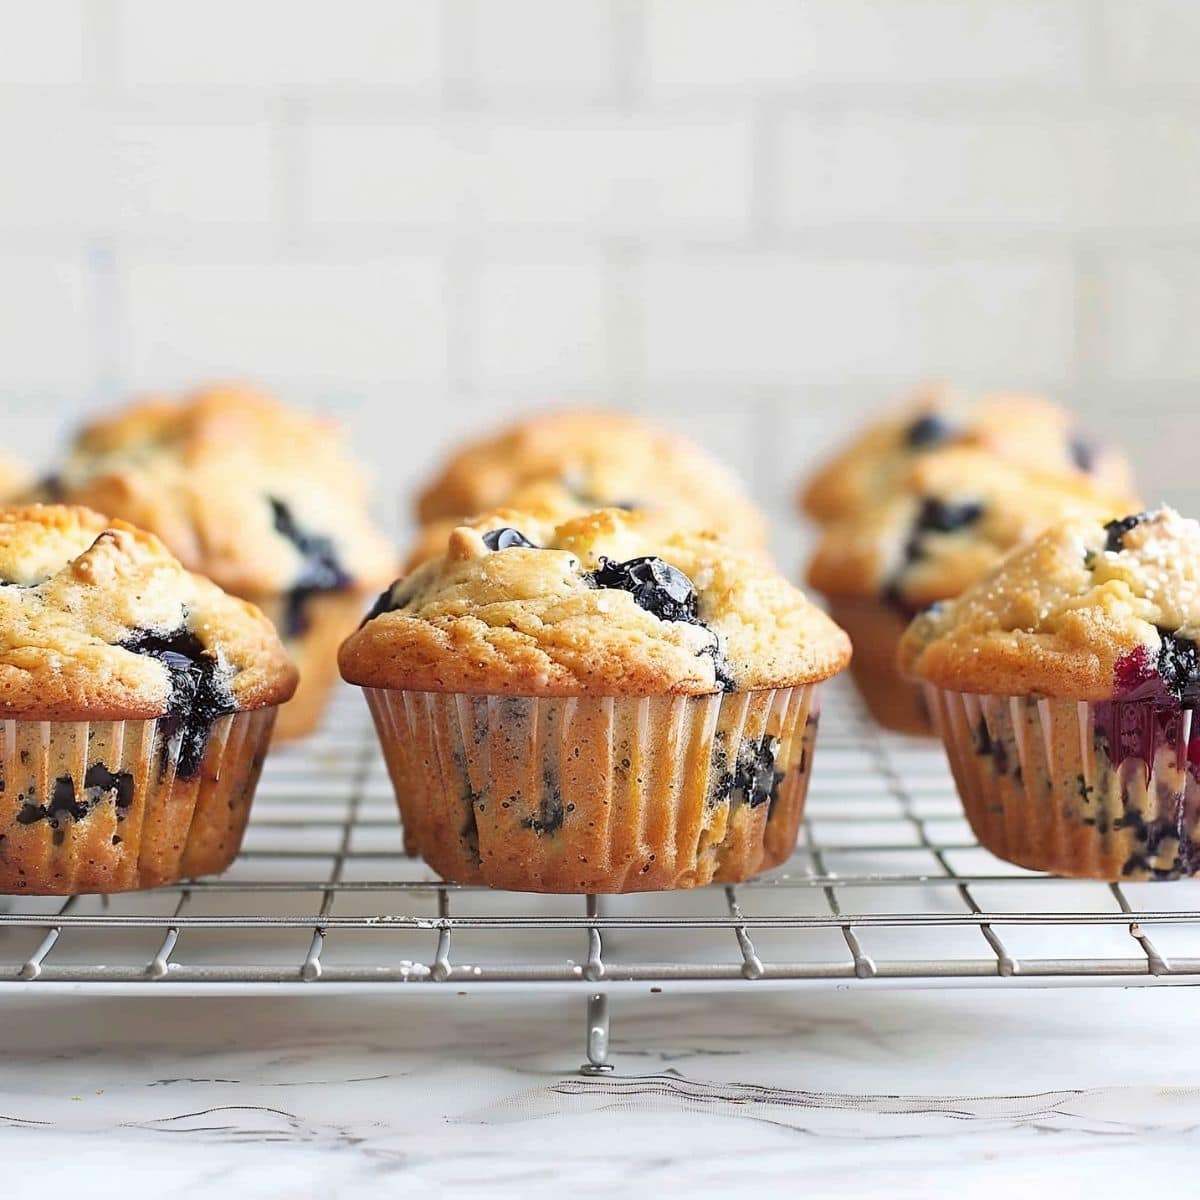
[{"x": 99, "y": 783}]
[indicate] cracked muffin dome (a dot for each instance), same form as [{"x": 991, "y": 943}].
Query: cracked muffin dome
[
  {"x": 99, "y": 621},
  {"x": 952, "y": 516},
  {"x": 597, "y": 605},
  {"x": 261, "y": 499},
  {"x": 599, "y": 459},
  {"x": 1028, "y": 431},
  {"x": 1090, "y": 610},
  {"x": 546, "y": 500}
]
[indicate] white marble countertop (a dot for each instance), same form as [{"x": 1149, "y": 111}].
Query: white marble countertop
[{"x": 1083, "y": 1092}]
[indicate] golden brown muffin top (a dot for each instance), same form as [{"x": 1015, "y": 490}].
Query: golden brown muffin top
[
  {"x": 597, "y": 605},
  {"x": 1030, "y": 431},
  {"x": 1087, "y": 611},
  {"x": 601, "y": 458},
  {"x": 954, "y": 514},
  {"x": 99, "y": 621},
  {"x": 258, "y": 497}
]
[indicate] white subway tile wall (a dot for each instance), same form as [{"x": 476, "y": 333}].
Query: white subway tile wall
[{"x": 755, "y": 219}]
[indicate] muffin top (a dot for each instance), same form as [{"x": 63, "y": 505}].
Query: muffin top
[
  {"x": 1027, "y": 430},
  {"x": 600, "y": 459},
  {"x": 955, "y": 513},
  {"x": 547, "y": 500},
  {"x": 1090, "y": 610},
  {"x": 597, "y": 605},
  {"x": 550, "y": 500},
  {"x": 261, "y": 499},
  {"x": 99, "y": 621}
]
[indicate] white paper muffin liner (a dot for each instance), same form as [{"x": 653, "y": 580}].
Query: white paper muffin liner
[
  {"x": 101, "y": 806},
  {"x": 1099, "y": 791},
  {"x": 590, "y": 794}
]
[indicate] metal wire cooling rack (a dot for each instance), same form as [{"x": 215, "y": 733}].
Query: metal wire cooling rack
[{"x": 887, "y": 888}]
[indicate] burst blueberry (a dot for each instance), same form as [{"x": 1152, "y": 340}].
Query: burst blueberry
[
  {"x": 655, "y": 585},
  {"x": 198, "y": 695}
]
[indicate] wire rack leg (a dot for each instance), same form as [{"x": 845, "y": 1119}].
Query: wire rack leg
[{"x": 597, "y": 1037}]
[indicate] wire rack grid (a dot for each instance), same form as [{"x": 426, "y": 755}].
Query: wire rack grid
[{"x": 886, "y": 888}]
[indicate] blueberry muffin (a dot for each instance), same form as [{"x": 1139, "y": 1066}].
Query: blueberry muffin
[
  {"x": 1025, "y": 430},
  {"x": 137, "y": 702},
  {"x": 1064, "y": 685},
  {"x": 589, "y": 707},
  {"x": 264, "y": 501},
  {"x": 599, "y": 459},
  {"x": 951, "y": 517}
]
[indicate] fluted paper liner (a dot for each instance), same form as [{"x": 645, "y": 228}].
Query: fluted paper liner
[
  {"x": 591, "y": 794},
  {"x": 1098, "y": 791},
  {"x": 100, "y": 806}
]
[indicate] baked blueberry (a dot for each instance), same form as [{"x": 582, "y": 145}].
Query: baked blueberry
[
  {"x": 50, "y": 488},
  {"x": 1179, "y": 666},
  {"x": 383, "y": 604},
  {"x": 99, "y": 781},
  {"x": 655, "y": 585},
  {"x": 725, "y": 681},
  {"x": 1083, "y": 453},
  {"x": 320, "y": 568},
  {"x": 199, "y": 694},
  {"x": 62, "y": 804},
  {"x": 934, "y": 516},
  {"x": 755, "y": 778},
  {"x": 941, "y": 516},
  {"x": 506, "y": 539},
  {"x": 928, "y": 430},
  {"x": 1115, "y": 531}
]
